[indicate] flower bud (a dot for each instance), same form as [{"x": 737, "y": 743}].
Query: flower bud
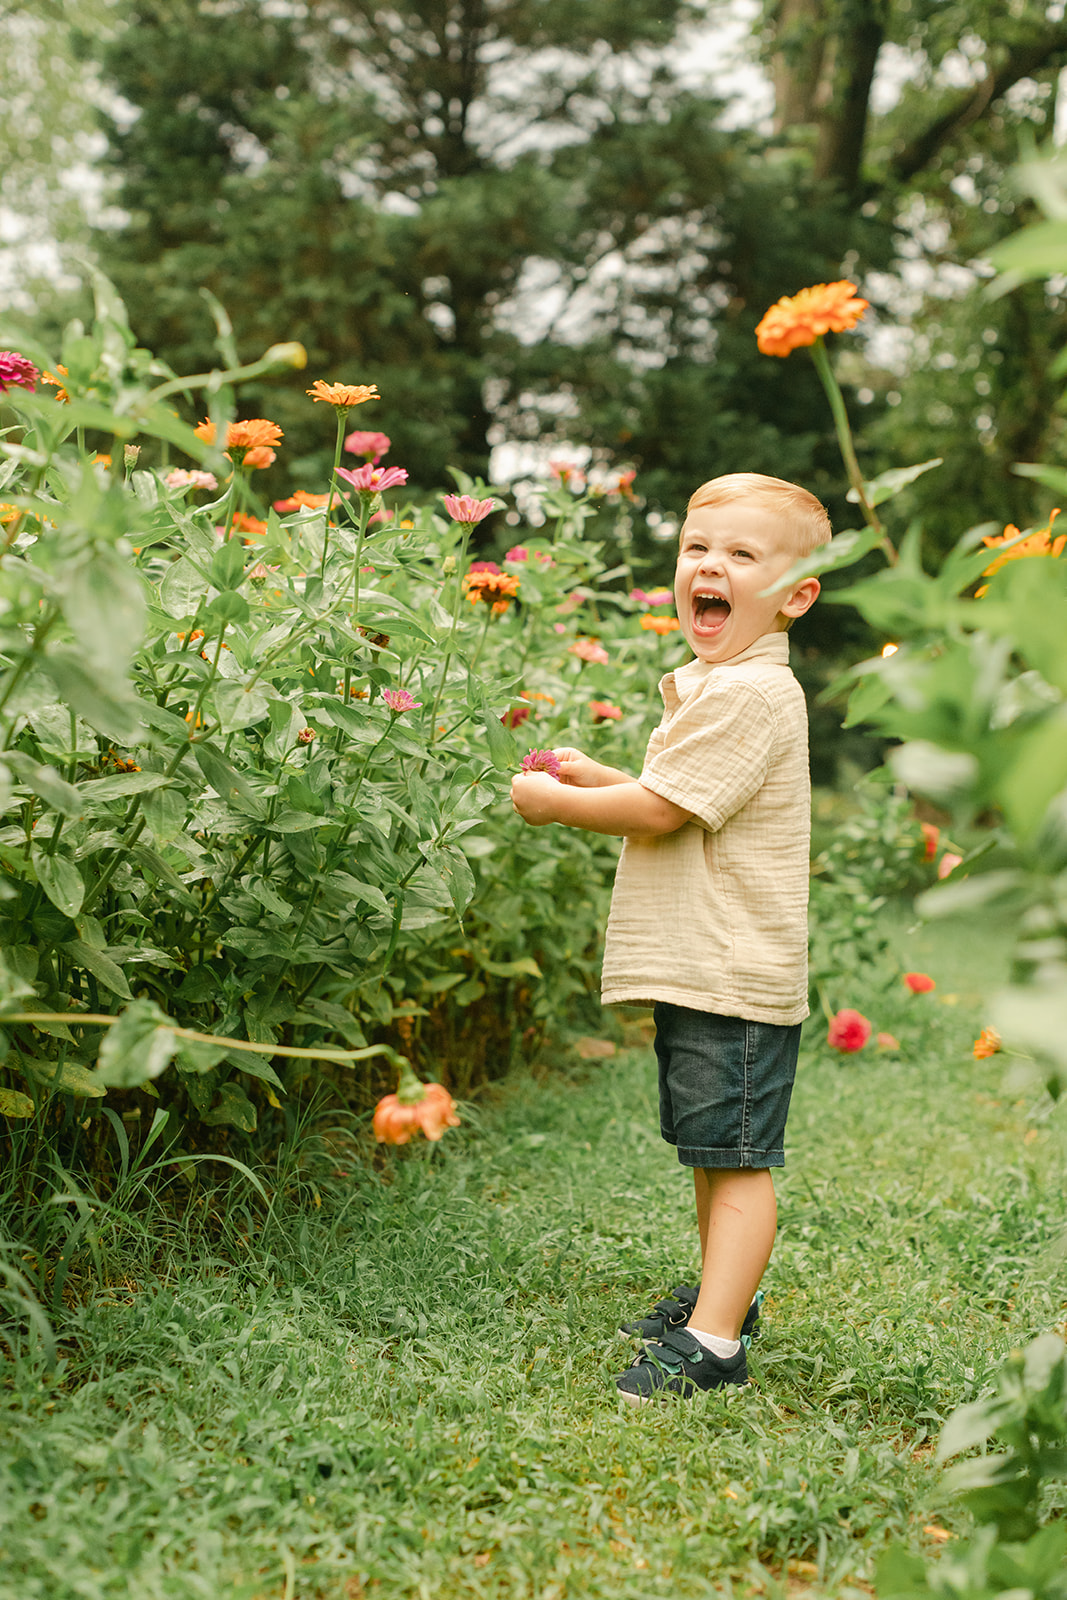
[
  {"x": 130, "y": 452},
  {"x": 448, "y": 566},
  {"x": 291, "y": 354}
]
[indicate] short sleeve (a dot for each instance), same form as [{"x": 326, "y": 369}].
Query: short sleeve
[{"x": 714, "y": 754}]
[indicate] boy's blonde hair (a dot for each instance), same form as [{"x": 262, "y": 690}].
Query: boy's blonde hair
[{"x": 807, "y": 517}]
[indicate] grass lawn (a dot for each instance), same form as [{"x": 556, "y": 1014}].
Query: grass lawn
[{"x": 400, "y": 1385}]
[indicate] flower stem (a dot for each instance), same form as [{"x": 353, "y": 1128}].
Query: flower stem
[
  {"x": 456, "y": 603},
  {"x": 848, "y": 449},
  {"x": 342, "y": 418},
  {"x": 364, "y": 518}
]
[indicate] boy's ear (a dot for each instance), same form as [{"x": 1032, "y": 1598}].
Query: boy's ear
[{"x": 801, "y": 598}]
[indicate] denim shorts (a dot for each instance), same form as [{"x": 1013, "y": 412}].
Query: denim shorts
[{"x": 724, "y": 1086}]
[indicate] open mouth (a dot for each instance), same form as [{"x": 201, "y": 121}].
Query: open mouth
[{"x": 710, "y": 611}]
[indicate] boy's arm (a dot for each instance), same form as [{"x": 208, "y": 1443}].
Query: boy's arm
[
  {"x": 621, "y": 806},
  {"x": 577, "y": 768}
]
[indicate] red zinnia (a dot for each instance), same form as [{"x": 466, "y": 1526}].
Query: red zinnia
[
  {"x": 849, "y": 1031},
  {"x": 919, "y": 982}
]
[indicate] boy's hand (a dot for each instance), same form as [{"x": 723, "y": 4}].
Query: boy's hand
[
  {"x": 533, "y": 795},
  {"x": 580, "y": 770}
]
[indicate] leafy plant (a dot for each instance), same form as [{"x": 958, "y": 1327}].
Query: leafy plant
[{"x": 1020, "y": 1548}]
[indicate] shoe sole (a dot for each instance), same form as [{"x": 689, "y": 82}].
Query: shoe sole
[{"x": 651, "y": 1399}]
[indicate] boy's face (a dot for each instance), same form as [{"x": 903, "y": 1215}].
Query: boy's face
[{"x": 727, "y": 554}]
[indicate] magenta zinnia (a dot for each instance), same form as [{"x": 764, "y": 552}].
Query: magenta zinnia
[
  {"x": 541, "y": 761},
  {"x": 16, "y": 371},
  {"x": 466, "y": 509},
  {"x": 399, "y": 700},
  {"x": 372, "y": 480}
]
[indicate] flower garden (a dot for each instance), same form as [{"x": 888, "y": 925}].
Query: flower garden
[{"x": 272, "y": 942}]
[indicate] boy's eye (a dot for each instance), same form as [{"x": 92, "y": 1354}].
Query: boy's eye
[{"x": 747, "y": 554}]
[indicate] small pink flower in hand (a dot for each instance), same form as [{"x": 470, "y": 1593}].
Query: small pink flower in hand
[{"x": 541, "y": 761}]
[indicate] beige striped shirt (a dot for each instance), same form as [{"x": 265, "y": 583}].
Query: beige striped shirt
[{"x": 714, "y": 916}]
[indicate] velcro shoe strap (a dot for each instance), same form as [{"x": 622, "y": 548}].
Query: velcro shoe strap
[{"x": 679, "y": 1342}]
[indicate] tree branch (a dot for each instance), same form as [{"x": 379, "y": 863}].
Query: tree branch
[{"x": 1020, "y": 63}]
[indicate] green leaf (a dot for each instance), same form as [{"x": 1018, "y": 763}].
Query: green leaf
[
  {"x": 228, "y": 565},
  {"x": 512, "y": 969},
  {"x": 887, "y": 484},
  {"x": 104, "y": 606},
  {"x": 137, "y": 1048},
  {"x": 901, "y": 1574},
  {"x": 45, "y": 782},
  {"x": 240, "y": 703},
  {"x": 60, "y": 880},
  {"x": 232, "y": 1109},
  {"x": 14, "y": 1104},
  {"x": 503, "y": 751},
  {"x": 844, "y": 550},
  {"x": 116, "y": 717},
  {"x": 97, "y": 792},
  {"x": 967, "y": 1426},
  {"x": 101, "y": 966},
  {"x": 1039, "y": 251},
  {"x": 454, "y": 868},
  {"x": 228, "y": 608},
  {"x": 256, "y": 1067},
  {"x": 182, "y": 588},
  {"x": 223, "y": 778},
  {"x": 356, "y": 889},
  {"x": 68, "y": 1076}
]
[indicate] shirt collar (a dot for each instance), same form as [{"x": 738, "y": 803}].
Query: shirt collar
[{"x": 678, "y": 685}]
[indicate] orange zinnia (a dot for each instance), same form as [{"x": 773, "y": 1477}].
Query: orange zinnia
[
  {"x": 243, "y": 523},
  {"x": 659, "y": 624},
  {"x": 302, "y": 500},
  {"x": 802, "y": 318},
  {"x": 57, "y": 383},
  {"x": 987, "y": 1043},
  {"x": 1038, "y": 543},
  {"x": 343, "y": 395},
  {"x": 255, "y": 434},
  {"x": 497, "y": 589}
]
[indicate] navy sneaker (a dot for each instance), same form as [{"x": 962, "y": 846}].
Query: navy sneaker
[
  {"x": 675, "y": 1310},
  {"x": 679, "y": 1364}
]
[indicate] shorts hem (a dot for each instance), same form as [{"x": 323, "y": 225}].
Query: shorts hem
[{"x": 697, "y": 1156}]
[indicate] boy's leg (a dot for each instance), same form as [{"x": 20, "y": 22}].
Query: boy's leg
[{"x": 737, "y": 1216}]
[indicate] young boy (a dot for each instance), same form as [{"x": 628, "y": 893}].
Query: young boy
[{"x": 709, "y": 912}]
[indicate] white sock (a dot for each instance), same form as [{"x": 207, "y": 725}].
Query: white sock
[{"x": 711, "y": 1341}]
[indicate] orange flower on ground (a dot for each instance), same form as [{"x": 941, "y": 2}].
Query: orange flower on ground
[
  {"x": 399, "y": 1117},
  {"x": 343, "y": 395},
  {"x": 987, "y": 1043},
  {"x": 57, "y": 384},
  {"x": 497, "y": 589},
  {"x": 800, "y": 319},
  {"x": 243, "y": 437},
  {"x": 919, "y": 982},
  {"x": 660, "y": 624},
  {"x": 1038, "y": 543}
]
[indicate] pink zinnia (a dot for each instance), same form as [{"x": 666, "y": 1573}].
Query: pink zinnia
[
  {"x": 515, "y": 717},
  {"x": 465, "y": 508},
  {"x": 604, "y": 712},
  {"x": 371, "y": 446},
  {"x": 372, "y": 480},
  {"x": 589, "y": 650},
  {"x": 919, "y": 982},
  {"x": 849, "y": 1031},
  {"x": 484, "y": 566},
  {"x": 947, "y": 864},
  {"x": 179, "y": 478},
  {"x": 16, "y": 371},
  {"x": 399, "y": 700},
  {"x": 541, "y": 761},
  {"x": 518, "y": 552}
]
